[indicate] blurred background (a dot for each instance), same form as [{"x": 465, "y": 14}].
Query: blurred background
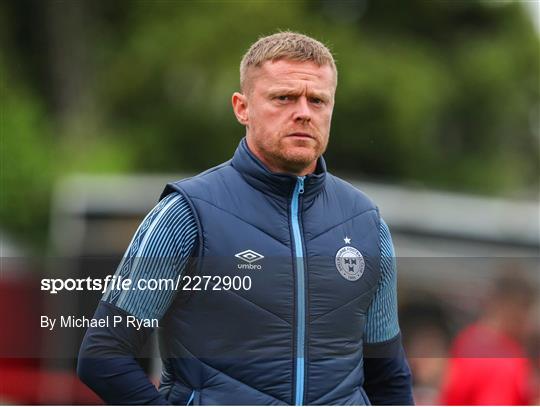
[{"x": 436, "y": 117}]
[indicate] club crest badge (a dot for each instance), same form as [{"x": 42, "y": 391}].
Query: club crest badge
[{"x": 350, "y": 263}]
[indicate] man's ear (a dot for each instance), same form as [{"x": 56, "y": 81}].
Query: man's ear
[{"x": 240, "y": 107}]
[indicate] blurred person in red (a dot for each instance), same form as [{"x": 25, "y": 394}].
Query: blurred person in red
[{"x": 489, "y": 363}]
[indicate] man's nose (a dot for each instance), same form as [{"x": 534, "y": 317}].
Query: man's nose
[{"x": 302, "y": 112}]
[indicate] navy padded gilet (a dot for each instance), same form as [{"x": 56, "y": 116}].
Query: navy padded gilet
[{"x": 239, "y": 347}]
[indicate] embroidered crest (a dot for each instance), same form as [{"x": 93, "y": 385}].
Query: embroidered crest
[{"x": 350, "y": 263}]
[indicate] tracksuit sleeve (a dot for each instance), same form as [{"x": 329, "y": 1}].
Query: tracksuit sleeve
[
  {"x": 388, "y": 379},
  {"x": 160, "y": 249}
]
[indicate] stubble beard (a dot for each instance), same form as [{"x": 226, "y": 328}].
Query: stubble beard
[{"x": 294, "y": 156}]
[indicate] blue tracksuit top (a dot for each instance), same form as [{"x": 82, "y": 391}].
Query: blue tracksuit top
[{"x": 310, "y": 246}]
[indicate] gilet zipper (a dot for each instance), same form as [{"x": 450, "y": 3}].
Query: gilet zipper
[{"x": 300, "y": 292}]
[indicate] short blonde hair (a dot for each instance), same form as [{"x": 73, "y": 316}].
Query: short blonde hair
[{"x": 286, "y": 45}]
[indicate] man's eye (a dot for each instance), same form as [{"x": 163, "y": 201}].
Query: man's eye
[
  {"x": 317, "y": 101},
  {"x": 283, "y": 98}
]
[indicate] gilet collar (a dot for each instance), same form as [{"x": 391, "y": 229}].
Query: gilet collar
[{"x": 259, "y": 177}]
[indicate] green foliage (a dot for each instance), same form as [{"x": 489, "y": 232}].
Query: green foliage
[
  {"x": 441, "y": 93},
  {"x": 26, "y": 164},
  {"x": 445, "y": 100}
]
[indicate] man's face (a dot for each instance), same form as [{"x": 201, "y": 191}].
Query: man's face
[{"x": 287, "y": 110}]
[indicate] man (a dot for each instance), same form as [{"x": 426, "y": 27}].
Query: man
[
  {"x": 489, "y": 363},
  {"x": 316, "y": 254}
]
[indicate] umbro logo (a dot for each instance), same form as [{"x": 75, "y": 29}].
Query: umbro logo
[{"x": 249, "y": 257}]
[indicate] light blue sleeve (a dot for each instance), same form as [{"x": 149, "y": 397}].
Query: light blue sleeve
[
  {"x": 159, "y": 250},
  {"x": 382, "y": 319}
]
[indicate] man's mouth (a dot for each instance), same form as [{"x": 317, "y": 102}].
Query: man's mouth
[{"x": 301, "y": 135}]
